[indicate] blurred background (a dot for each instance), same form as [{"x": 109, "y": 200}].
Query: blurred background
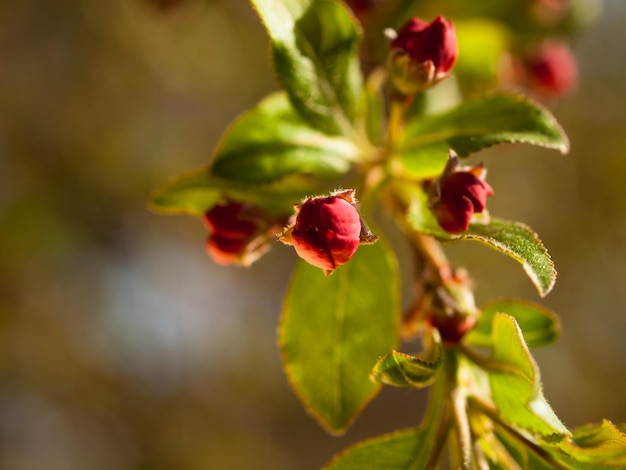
[{"x": 122, "y": 346}]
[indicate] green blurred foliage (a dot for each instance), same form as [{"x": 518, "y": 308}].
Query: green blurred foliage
[{"x": 122, "y": 346}]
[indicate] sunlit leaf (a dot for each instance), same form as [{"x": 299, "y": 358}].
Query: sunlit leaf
[
  {"x": 335, "y": 328},
  {"x": 196, "y": 191},
  {"x": 272, "y": 141},
  {"x": 516, "y": 384},
  {"x": 521, "y": 243},
  {"x": 191, "y": 193},
  {"x": 315, "y": 45},
  {"x": 514, "y": 239},
  {"x": 482, "y": 122},
  {"x": 539, "y": 325}
]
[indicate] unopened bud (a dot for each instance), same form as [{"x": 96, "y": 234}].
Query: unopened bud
[
  {"x": 549, "y": 71},
  {"x": 328, "y": 230},
  {"x": 422, "y": 54},
  {"x": 458, "y": 194},
  {"x": 238, "y": 233},
  {"x": 552, "y": 70}
]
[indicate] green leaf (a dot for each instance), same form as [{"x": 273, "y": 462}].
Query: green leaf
[
  {"x": 270, "y": 157},
  {"x": 483, "y": 122},
  {"x": 600, "y": 446},
  {"x": 521, "y": 243},
  {"x": 315, "y": 46},
  {"x": 196, "y": 191},
  {"x": 395, "y": 451},
  {"x": 514, "y": 239},
  {"x": 404, "y": 370},
  {"x": 515, "y": 382},
  {"x": 272, "y": 141},
  {"x": 191, "y": 193},
  {"x": 334, "y": 329},
  {"x": 539, "y": 325},
  {"x": 595, "y": 446}
]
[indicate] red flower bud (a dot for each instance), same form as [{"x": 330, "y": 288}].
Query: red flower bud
[
  {"x": 328, "y": 230},
  {"x": 457, "y": 195},
  {"x": 422, "y": 54},
  {"x": 229, "y": 221},
  {"x": 238, "y": 233},
  {"x": 552, "y": 70},
  {"x": 435, "y": 42}
]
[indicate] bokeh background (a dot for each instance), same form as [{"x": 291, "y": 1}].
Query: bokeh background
[{"x": 123, "y": 347}]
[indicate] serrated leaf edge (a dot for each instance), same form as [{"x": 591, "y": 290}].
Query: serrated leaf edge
[
  {"x": 445, "y": 136},
  {"x": 543, "y": 290}
]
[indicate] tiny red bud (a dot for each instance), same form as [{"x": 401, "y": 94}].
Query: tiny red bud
[
  {"x": 422, "y": 54},
  {"x": 226, "y": 220},
  {"x": 457, "y": 195},
  {"x": 238, "y": 233},
  {"x": 552, "y": 69},
  {"x": 327, "y": 231}
]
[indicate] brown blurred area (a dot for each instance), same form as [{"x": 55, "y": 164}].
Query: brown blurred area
[{"x": 123, "y": 347}]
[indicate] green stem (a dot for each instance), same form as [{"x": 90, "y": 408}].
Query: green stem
[
  {"x": 440, "y": 438},
  {"x": 458, "y": 399},
  {"x": 437, "y": 419},
  {"x": 462, "y": 426}
]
